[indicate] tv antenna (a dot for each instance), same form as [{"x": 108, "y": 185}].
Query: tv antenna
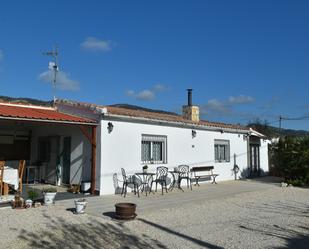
[{"x": 53, "y": 67}]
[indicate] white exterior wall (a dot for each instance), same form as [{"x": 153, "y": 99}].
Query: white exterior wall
[{"x": 122, "y": 149}]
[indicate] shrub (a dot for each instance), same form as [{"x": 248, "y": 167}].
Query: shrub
[
  {"x": 49, "y": 190},
  {"x": 32, "y": 194}
]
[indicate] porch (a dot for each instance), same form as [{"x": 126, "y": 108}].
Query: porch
[{"x": 59, "y": 149}]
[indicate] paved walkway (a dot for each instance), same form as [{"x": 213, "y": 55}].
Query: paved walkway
[{"x": 99, "y": 205}]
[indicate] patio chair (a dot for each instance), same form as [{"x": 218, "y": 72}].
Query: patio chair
[
  {"x": 118, "y": 190},
  {"x": 129, "y": 180},
  {"x": 1, "y": 175},
  {"x": 184, "y": 173},
  {"x": 161, "y": 178},
  {"x": 21, "y": 167}
]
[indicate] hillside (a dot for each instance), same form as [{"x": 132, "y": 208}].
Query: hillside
[
  {"x": 271, "y": 131},
  {"x": 25, "y": 101}
]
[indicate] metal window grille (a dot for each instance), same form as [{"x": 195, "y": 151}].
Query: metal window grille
[
  {"x": 146, "y": 151},
  {"x": 222, "y": 150},
  {"x": 154, "y": 149}
]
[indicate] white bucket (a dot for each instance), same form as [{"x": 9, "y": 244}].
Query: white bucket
[
  {"x": 28, "y": 203},
  {"x": 80, "y": 207}
]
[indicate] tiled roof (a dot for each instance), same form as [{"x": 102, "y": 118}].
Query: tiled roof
[
  {"x": 121, "y": 111},
  {"x": 22, "y": 112},
  {"x": 168, "y": 117}
]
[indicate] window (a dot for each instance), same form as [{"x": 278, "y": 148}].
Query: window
[
  {"x": 222, "y": 150},
  {"x": 154, "y": 149}
]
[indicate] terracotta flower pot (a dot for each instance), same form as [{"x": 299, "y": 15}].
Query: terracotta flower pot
[{"x": 125, "y": 211}]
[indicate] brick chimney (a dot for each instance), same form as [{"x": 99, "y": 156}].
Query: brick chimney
[{"x": 191, "y": 112}]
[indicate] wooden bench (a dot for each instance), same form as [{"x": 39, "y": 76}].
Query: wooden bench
[{"x": 208, "y": 173}]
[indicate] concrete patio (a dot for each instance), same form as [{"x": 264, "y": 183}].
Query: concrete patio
[{"x": 104, "y": 205}]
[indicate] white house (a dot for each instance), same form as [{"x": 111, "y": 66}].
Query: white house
[{"x": 130, "y": 138}]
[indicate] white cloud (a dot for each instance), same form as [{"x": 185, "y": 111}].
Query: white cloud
[
  {"x": 130, "y": 93},
  {"x": 147, "y": 94},
  {"x": 94, "y": 44},
  {"x": 215, "y": 106},
  {"x": 63, "y": 82},
  {"x": 241, "y": 99},
  {"x": 1, "y": 55},
  {"x": 159, "y": 88},
  {"x": 226, "y": 107}
]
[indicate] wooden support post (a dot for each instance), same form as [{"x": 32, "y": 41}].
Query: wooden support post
[
  {"x": 93, "y": 141},
  {"x": 93, "y": 161}
]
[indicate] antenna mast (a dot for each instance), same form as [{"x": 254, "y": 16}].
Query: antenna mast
[{"x": 53, "y": 66}]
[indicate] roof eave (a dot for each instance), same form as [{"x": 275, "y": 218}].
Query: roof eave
[
  {"x": 47, "y": 121},
  {"x": 176, "y": 123}
]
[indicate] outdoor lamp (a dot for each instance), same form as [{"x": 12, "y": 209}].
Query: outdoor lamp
[
  {"x": 110, "y": 127},
  {"x": 193, "y": 133}
]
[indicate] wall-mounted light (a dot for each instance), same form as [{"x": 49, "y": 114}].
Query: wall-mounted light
[
  {"x": 222, "y": 131},
  {"x": 193, "y": 133},
  {"x": 110, "y": 127}
]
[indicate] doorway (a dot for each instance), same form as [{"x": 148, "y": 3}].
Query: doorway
[
  {"x": 66, "y": 160},
  {"x": 254, "y": 160}
]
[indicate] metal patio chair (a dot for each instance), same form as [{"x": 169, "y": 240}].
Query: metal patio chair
[
  {"x": 129, "y": 180},
  {"x": 184, "y": 173},
  {"x": 161, "y": 178}
]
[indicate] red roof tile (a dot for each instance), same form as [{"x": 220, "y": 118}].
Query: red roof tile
[
  {"x": 168, "y": 117},
  {"x": 38, "y": 113}
]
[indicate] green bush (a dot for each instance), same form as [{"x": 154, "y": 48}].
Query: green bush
[
  {"x": 32, "y": 194},
  {"x": 291, "y": 157},
  {"x": 296, "y": 183}
]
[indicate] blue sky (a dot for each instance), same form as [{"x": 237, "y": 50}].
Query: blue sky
[{"x": 244, "y": 59}]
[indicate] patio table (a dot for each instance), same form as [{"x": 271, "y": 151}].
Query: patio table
[
  {"x": 145, "y": 179},
  {"x": 176, "y": 180}
]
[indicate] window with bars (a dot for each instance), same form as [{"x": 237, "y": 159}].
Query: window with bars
[
  {"x": 222, "y": 150},
  {"x": 154, "y": 149}
]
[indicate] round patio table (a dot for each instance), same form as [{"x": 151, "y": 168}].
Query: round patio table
[{"x": 145, "y": 179}]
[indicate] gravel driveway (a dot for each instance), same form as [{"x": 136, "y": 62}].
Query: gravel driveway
[{"x": 274, "y": 217}]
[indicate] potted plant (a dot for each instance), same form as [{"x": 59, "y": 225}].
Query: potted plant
[
  {"x": 145, "y": 168},
  {"x": 32, "y": 194},
  {"x": 80, "y": 206},
  {"x": 49, "y": 195}
]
